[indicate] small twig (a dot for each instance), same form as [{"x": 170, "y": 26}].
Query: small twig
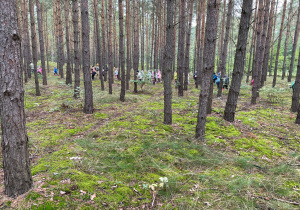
[
  {"x": 294, "y": 164},
  {"x": 152, "y": 204},
  {"x": 276, "y": 199}
]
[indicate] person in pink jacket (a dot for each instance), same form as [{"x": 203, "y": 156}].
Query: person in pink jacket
[{"x": 159, "y": 76}]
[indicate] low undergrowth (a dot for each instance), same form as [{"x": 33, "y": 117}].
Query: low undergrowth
[{"x": 123, "y": 156}]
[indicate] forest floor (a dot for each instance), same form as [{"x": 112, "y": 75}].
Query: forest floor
[{"x": 115, "y": 157}]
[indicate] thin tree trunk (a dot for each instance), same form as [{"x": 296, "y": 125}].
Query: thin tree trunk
[
  {"x": 16, "y": 165},
  {"x": 34, "y": 47},
  {"x": 76, "y": 51},
  {"x": 180, "y": 56},
  {"x": 198, "y": 41},
  {"x": 279, "y": 44},
  {"x": 98, "y": 51},
  {"x": 296, "y": 91},
  {"x": 104, "y": 53},
  {"x": 27, "y": 52},
  {"x": 142, "y": 37},
  {"x": 290, "y": 18},
  {"x": 268, "y": 46},
  {"x": 60, "y": 40},
  {"x": 121, "y": 53},
  {"x": 208, "y": 65},
  {"x": 136, "y": 42},
  {"x": 47, "y": 40},
  {"x": 296, "y": 36},
  {"x": 255, "y": 68},
  {"x": 223, "y": 23},
  {"x": 225, "y": 46},
  {"x": 88, "y": 99},
  {"x": 110, "y": 51},
  {"x": 168, "y": 65},
  {"x": 239, "y": 61},
  {"x": 298, "y": 116},
  {"x": 188, "y": 44},
  {"x": 128, "y": 38},
  {"x": 261, "y": 52},
  {"x": 23, "y": 42},
  {"x": 41, "y": 38},
  {"x": 272, "y": 51},
  {"x": 69, "y": 71}
]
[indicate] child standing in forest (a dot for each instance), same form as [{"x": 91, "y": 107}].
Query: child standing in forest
[
  {"x": 55, "y": 71},
  {"x": 93, "y": 73}
]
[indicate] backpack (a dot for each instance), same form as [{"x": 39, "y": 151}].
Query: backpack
[{"x": 227, "y": 80}]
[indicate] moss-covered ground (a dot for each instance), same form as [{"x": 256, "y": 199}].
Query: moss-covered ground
[{"x": 115, "y": 157}]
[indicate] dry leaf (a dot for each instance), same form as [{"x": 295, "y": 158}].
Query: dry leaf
[{"x": 93, "y": 196}]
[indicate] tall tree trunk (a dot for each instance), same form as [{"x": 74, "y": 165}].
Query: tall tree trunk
[
  {"x": 289, "y": 20},
  {"x": 69, "y": 73},
  {"x": 223, "y": 60},
  {"x": 188, "y": 44},
  {"x": 88, "y": 99},
  {"x": 208, "y": 65},
  {"x": 296, "y": 36},
  {"x": 121, "y": 53},
  {"x": 47, "y": 39},
  {"x": 156, "y": 37},
  {"x": 223, "y": 23},
  {"x": 76, "y": 51},
  {"x": 255, "y": 67},
  {"x": 239, "y": 61},
  {"x": 34, "y": 47},
  {"x": 263, "y": 43},
  {"x": 273, "y": 38},
  {"x": 296, "y": 91},
  {"x": 200, "y": 67},
  {"x": 198, "y": 41},
  {"x": 104, "y": 53},
  {"x": 180, "y": 55},
  {"x": 41, "y": 38},
  {"x": 136, "y": 53},
  {"x": 298, "y": 116},
  {"x": 16, "y": 165},
  {"x": 98, "y": 51},
  {"x": 279, "y": 44},
  {"x": 23, "y": 42},
  {"x": 110, "y": 51},
  {"x": 27, "y": 52},
  {"x": 142, "y": 37},
  {"x": 128, "y": 38},
  {"x": 168, "y": 65},
  {"x": 60, "y": 51},
  {"x": 268, "y": 46}
]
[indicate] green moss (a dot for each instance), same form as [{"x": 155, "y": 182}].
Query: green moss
[{"x": 100, "y": 115}]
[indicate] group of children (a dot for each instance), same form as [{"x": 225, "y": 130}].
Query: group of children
[{"x": 217, "y": 80}]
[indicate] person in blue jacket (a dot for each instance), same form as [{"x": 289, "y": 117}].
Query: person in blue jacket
[{"x": 55, "y": 71}]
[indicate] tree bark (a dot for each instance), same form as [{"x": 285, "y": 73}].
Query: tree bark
[
  {"x": 268, "y": 46},
  {"x": 188, "y": 44},
  {"x": 168, "y": 63},
  {"x": 273, "y": 38},
  {"x": 16, "y": 165},
  {"x": 289, "y": 20},
  {"x": 121, "y": 52},
  {"x": 128, "y": 38},
  {"x": 298, "y": 116},
  {"x": 296, "y": 91},
  {"x": 98, "y": 51},
  {"x": 69, "y": 71},
  {"x": 142, "y": 37},
  {"x": 296, "y": 36},
  {"x": 104, "y": 53},
  {"x": 88, "y": 99},
  {"x": 180, "y": 55},
  {"x": 255, "y": 67},
  {"x": 110, "y": 50},
  {"x": 222, "y": 67},
  {"x": 239, "y": 61},
  {"x": 60, "y": 51},
  {"x": 136, "y": 53},
  {"x": 34, "y": 47},
  {"x": 76, "y": 50},
  {"x": 27, "y": 52},
  {"x": 23, "y": 46},
  {"x": 279, "y": 44},
  {"x": 41, "y": 38},
  {"x": 208, "y": 65}
]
